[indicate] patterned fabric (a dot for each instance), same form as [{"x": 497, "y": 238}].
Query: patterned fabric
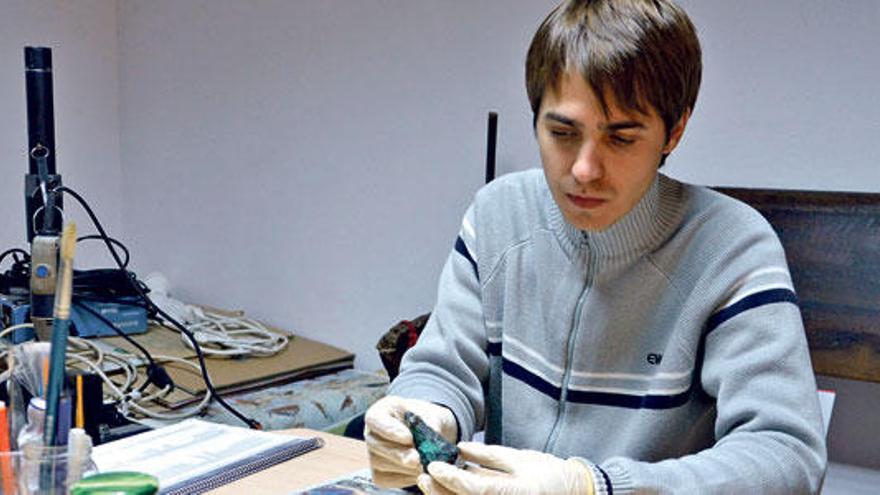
[
  {"x": 397, "y": 341},
  {"x": 324, "y": 403}
]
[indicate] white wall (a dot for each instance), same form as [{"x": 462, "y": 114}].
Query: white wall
[
  {"x": 83, "y": 36},
  {"x": 309, "y": 161},
  {"x": 789, "y": 98}
]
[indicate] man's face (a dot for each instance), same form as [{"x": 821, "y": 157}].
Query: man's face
[{"x": 598, "y": 166}]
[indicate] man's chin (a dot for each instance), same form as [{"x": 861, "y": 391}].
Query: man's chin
[{"x": 589, "y": 223}]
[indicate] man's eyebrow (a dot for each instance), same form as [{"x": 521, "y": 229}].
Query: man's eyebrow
[
  {"x": 628, "y": 124},
  {"x": 612, "y": 127},
  {"x": 562, "y": 119}
]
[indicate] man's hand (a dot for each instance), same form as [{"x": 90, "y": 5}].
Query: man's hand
[
  {"x": 507, "y": 471},
  {"x": 393, "y": 457}
]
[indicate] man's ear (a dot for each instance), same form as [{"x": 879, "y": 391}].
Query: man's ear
[{"x": 676, "y": 132}]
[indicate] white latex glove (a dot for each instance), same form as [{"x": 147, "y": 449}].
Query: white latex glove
[
  {"x": 394, "y": 460},
  {"x": 507, "y": 471}
]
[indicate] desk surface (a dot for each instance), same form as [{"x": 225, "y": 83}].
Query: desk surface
[{"x": 339, "y": 456}]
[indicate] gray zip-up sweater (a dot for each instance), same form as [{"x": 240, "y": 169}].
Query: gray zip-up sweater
[{"x": 667, "y": 350}]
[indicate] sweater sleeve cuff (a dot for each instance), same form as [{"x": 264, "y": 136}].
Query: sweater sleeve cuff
[
  {"x": 608, "y": 481},
  {"x": 601, "y": 481},
  {"x": 617, "y": 479}
]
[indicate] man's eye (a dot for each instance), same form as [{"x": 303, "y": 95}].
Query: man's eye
[
  {"x": 562, "y": 134},
  {"x": 621, "y": 141}
]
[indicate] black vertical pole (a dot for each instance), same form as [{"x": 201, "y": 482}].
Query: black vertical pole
[
  {"x": 41, "y": 209},
  {"x": 491, "y": 139},
  {"x": 40, "y": 105}
]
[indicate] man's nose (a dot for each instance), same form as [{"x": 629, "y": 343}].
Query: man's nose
[{"x": 588, "y": 165}]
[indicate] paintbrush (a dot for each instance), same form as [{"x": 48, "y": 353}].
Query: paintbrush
[{"x": 60, "y": 332}]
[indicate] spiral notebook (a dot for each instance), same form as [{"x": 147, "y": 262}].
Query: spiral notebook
[{"x": 195, "y": 456}]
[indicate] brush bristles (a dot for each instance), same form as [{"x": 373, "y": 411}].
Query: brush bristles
[{"x": 68, "y": 242}]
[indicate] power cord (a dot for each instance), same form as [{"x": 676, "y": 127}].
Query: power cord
[
  {"x": 12, "y": 252},
  {"x": 18, "y": 275},
  {"x": 112, "y": 241},
  {"x": 212, "y": 392}
]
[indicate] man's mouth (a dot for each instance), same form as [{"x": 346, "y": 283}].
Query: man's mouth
[{"x": 586, "y": 202}]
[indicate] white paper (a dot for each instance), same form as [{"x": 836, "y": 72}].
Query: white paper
[{"x": 185, "y": 450}]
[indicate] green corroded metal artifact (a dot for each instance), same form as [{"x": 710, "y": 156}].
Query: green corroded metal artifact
[{"x": 429, "y": 444}]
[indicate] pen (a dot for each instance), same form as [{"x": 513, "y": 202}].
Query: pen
[
  {"x": 64, "y": 417},
  {"x": 80, "y": 412},
  {"x": 45, "y": 371}
]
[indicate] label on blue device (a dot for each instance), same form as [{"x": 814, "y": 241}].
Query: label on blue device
[{"x": 127, "y": 318}]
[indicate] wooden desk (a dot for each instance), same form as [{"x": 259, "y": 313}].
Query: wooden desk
[{"x": 339, "y": 456}]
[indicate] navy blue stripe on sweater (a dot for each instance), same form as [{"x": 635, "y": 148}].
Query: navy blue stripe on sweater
[
  {"x": 531, "y": 379},
  {"x": 755, "y": 300},
  {"x": 463, "y": 250},
  {"x": 601, "y": 398},
  {"x": 629, "y": 401},
  {"x": 607, "y": 479}
]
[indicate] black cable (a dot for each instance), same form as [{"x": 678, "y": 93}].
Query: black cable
[
  {"x": 12, "y": 252},
  {"x": 107, "y": 283},
  {"x": 112, "y": 240},
  {"x": 95, "y": 221},
  {"x": 154, "y": 369},
  {"x": 18, "y": 275},
  {"x": 137, "y": 287},
  {"x": 104, "y": 320},
  {"x": 156, "y": 374}
]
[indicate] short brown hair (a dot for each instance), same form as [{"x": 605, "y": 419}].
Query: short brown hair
[{"x": 640, "y": 51}]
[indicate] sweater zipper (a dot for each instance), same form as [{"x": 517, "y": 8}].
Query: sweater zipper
[{"x": 572, "y": 336}]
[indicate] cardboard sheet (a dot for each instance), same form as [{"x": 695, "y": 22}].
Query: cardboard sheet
[{"x": 302, "y": 358}]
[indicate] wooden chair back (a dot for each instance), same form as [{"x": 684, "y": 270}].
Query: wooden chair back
[{"x": 832, "y": 242}]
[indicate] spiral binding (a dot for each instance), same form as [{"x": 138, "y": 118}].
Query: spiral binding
[{"x": 245, "y": 467}]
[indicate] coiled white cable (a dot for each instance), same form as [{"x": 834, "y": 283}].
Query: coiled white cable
[
  {"x": 218, "y": 334},
  {"x": 130, "y": 400},
  {"x": 234, "y": 336}
]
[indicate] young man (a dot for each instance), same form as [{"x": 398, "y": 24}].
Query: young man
[{"x": 612, "y": 330}]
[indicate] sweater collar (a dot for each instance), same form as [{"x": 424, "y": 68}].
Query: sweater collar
[{"x": 639, "y": 231}]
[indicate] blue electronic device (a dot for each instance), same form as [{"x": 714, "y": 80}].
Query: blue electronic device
[
  {"x": 128, "y": 318},
  {"x": 16, "y": 310}
]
